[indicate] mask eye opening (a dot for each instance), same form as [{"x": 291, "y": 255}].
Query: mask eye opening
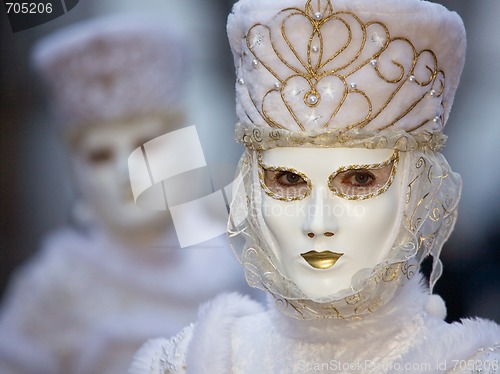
[
  {"x": 263, "y": 168},
  {"x": 365, "y": 169}
]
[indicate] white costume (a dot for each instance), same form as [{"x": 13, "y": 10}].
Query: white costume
[
  {"x": 94, "y": 294},
  {"x": 342, "y": 194},
  {"x": 86, "y": 303}
]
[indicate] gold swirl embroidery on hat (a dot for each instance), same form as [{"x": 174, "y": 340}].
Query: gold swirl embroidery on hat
[{"x": 326, "y": 77}]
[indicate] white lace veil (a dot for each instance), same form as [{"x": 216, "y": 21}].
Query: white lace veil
[{"x": 428, "y": 217}]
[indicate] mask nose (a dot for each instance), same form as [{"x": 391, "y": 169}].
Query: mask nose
[{"x": 320, "y": 218}]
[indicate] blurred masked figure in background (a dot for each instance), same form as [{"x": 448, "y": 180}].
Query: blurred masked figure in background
[{"x": 98, "y": 289}]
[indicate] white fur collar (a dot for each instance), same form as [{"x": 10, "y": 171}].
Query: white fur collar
[{"x": 209, "y": 349}]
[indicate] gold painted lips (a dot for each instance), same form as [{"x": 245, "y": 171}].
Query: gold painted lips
[{"x": 321, "y": 260}]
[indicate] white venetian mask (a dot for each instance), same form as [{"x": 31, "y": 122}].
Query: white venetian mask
[
  {"x": 101, "y": 170},
  {"x": 333, "y": 212}
]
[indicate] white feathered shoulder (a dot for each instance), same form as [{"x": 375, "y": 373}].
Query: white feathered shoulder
[
  {"x": 161, "y": 356},
  {"x": 212, "y": 331}
]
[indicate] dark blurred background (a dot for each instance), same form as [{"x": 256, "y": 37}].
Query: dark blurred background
[{"x": 35, "y": 188}]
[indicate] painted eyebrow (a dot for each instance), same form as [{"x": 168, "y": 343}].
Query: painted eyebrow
[
  {"x": 378, "y": 165},
  {"x": 393, "y": 158}
]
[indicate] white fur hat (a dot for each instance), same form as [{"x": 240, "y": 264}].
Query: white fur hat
[
  {"x": 111, "y": 68},
  {"x": 309, "y": 70}
]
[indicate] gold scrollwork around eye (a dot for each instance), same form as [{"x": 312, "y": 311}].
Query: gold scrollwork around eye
[
  {"x": 394, "y": 160},
  {"x": 264, "y": 167}
]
